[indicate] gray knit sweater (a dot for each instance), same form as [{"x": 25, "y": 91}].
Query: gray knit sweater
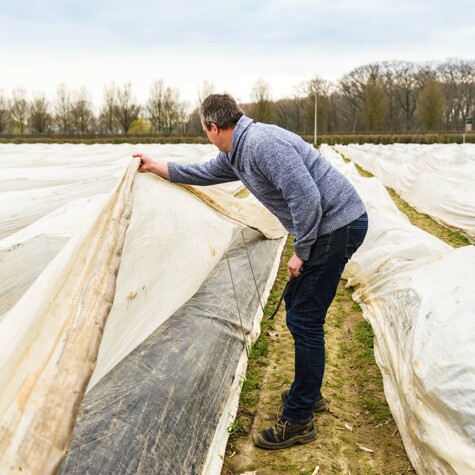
[{"x": 287, "y": 175}]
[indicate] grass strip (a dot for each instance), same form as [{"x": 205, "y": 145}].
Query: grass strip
[{"x": 421, "y": 220}]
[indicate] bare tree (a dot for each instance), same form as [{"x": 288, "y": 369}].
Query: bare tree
[
  {"x": 62, "y": 109},
  {"x": 334, "y": 122},
  {"x": 82, "y": 116},
  {"x": 19, "y": 109},
  {"x": 4, "y": 112},
  {"x": 173, "y": 110},
  {"x": 206, "y": 89},
  {"x": 127, "y": 109},
  {"x": 289, "y": 113},
  {"x": 108, "y": 114},
  {"x": 458, "y": 77},
  {"x": 182, "y": 116},
  {"x": 351, "y": 88},
  {"x": 166, "y": 111},
  {"x": 351, "y": 92},
  {"x": 193, "y": 122},
  {"x": 155, "y": 106},
  {"x": 40, "y": 118},
  {"x": 262, "y": 110},
  {"x": 403, "y": 87}
]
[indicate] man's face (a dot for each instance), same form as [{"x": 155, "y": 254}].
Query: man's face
[
  {"x": 211, "y": 133},
  {"x": 217, "y": 137}
]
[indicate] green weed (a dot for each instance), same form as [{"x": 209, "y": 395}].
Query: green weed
[{"x": 235, "y": 428}]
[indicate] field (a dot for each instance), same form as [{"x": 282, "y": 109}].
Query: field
[
  {"x": 388, "y": 377},
  {"x": 359, "y": 415}
]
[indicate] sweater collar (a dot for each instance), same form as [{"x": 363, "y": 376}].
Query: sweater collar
[{"x": 241, "y": 126}]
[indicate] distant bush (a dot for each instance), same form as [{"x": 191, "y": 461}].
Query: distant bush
[
  {"x": 104, "y": 139},
  {"x": 384, "y": 139},
  {"x": 330, "y": 139}
]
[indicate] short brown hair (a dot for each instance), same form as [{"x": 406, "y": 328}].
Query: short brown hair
[{"x": 220, "y": 109}]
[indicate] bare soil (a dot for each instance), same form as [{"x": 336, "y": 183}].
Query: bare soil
[{"x": 356, "y": 435}]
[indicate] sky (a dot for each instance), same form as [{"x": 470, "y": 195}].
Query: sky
[{"x": 230, "y": 44}]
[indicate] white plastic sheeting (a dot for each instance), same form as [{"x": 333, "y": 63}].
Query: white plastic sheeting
[
  {"x": 53, "y": 234},
  {"x": 53, "y": 175},
  {"x": 164, "y": 408},
  {"x": 415, "y": 290},
  {"x": 48, "y": 192},
  {"x": 438, "y": 180},
  {"x": 160, "y": 242},
  {"x": 25, "y": 254},
  {"x": 49, "y": 340},
  {"x": 418, "y": 294}
]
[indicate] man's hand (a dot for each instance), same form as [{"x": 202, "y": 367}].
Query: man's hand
[
  {"x": 294, "y": 266},
  {"x": 150, "y": 165}
]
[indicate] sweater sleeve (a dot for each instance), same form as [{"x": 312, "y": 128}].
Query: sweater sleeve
[
  {"x": 282, "y": 165},
  {"x": 218, "y": 170}
]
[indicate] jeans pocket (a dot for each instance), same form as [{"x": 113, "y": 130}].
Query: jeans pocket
[{"x": 355, "y": 234}]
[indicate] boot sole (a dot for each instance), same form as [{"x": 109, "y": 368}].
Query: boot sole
[{"x": 259, "y": 441}]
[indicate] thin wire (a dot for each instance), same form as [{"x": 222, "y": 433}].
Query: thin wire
[
  {"x": 195, "y": 193},
  {"x": 237, "y": 306},
  {"x": 252, "y": 270}
]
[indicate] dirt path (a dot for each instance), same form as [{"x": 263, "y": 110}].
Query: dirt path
[{"x": 358, "y": 418}]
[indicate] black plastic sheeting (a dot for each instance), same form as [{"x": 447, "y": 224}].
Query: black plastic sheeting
[{"x": 157, "y": 411}]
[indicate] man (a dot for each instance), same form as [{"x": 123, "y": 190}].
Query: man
[{"x": 315, "y": 203}]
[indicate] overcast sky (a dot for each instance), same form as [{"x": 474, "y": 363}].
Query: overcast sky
[{"x": 228, "y": 43}]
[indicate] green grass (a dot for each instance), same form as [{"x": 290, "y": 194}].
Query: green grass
[
  {"x": 421, "y": 220},
  {"x": 425, "y": 222},
  {"x": 357, "y": 349},
  {"x": 260, "y": 349},
  {"x": 259, "y": 352},
  {"x": 369, "y": 376},
  {"x": 378, "y": 408},
  {"x": 235, "y": 428},
  {"x": 363, "y": 333},
  {"x": 344, "y": 350},
  {"x": 251, "y": 385}
]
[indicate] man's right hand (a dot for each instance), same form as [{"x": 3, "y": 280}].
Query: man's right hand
[
  {"x": 294, "y": 266},
  {"x": 148, "y": 164}
]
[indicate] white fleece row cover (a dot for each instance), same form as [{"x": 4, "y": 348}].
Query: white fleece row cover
[
  {"x": 437, "y": 179},
  {"x": 49, "y": 192},
  {"x": 418, "y": 294},
  {"x": 38, "y": 179},
  {"x": 64, "y": 210}
]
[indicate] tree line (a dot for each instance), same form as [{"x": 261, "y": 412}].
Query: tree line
[{"x": 391, "y": 96}]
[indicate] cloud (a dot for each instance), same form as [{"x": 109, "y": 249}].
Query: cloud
[
  {"x": 228, "y": 43},
  {"x": 245, "y": 25}
]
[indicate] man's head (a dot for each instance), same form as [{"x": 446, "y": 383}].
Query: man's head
[
  {"x": 219, "y": 114},
  {"x": 221, "y": 110}
]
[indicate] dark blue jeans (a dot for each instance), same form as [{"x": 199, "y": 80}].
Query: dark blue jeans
[{"x": 307, "y": 299}]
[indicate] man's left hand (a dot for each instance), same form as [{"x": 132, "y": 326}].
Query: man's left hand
[{"x": 294, "y": 266}]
